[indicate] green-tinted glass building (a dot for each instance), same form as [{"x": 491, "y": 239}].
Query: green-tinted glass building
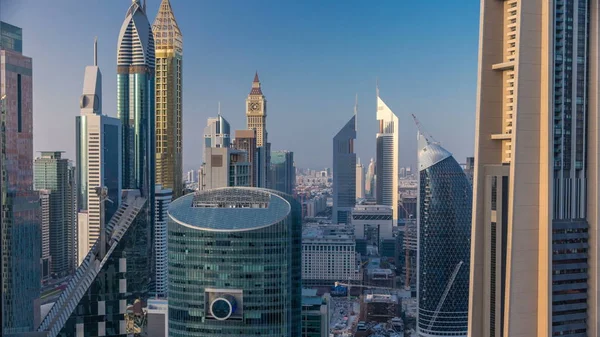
[
  {"x": 234, "y": 264},
  {"x": 282, "y": 172}
]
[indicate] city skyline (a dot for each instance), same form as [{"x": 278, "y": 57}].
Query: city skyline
[{"x": 218, "y": 76}]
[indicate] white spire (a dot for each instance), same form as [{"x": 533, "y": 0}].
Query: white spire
[
  {"x": 219, "y": 109},
  {"x": 96, "y": 51},
  {"x": 356, "y": 113}
]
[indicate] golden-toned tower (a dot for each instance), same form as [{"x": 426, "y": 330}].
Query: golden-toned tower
[
  {"x": 169, "y": 57},
  {"x": 256, "y": 112}
]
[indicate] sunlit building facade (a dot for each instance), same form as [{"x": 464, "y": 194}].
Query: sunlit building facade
[
  {"x": 388, "y": 139},
  {"x": 168, "y": 75}
]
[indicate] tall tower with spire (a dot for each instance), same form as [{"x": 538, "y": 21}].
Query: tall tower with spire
[
  {"x": 256, "y": 112},
  {"x": 387, "y": 157},
  {"x": 256, "y": 119},
  {"x": 135, "y": 108},
  {"x": 169, "y": 61}
]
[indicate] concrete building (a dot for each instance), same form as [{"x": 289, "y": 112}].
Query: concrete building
[
  {"x": 158, "y": 318},
  {"x": 344, "y": 172},
  {"x": 98, "y": 160},
  {"x": 224, "y": 167},
  {"x": 51, "y": 174},
  {"x": 360, "y": 181},
  {"x": 316, "y": 314},
  {"x": 283, "y": 172},
  {"x": 163, "y": 200},
  {"x": 387, "y": 157},
  {"x": 314, "y": 206},
  {"x": 443, "y": 255},
  {"x": 168, "y": 106},
  {"x": 373, "y": 223},
  {"x": 256, "y": 119},
  {"x": 239, "y": 248},
  {"x": 470, "y": 168},
  {"x": 21, "y": 268},
  {"x": 245, "y": 140},
  {"x": 535, "y": 214},
  {"x": 329, "y": 256}
]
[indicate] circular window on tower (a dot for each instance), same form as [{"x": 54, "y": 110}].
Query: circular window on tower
[{"x": 223, "y": 307}]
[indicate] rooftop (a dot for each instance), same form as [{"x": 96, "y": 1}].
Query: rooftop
[{"x": 229, "y": 209}]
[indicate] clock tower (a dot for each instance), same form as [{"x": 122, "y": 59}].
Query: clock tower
[{"x": 256, "y": 112}]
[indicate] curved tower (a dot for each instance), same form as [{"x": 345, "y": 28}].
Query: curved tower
[
  {"x": 135, "y": 108},
  {"x": 444, "y": 233},
  {"x": 169, "y": 72},
  {"x": 234, "y": 264}
]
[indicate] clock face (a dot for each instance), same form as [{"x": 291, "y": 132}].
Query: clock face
[{"x": 254, "y": 106}]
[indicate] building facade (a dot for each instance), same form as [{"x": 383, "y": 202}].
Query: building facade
[
  {"x": 51, "y": 173},
  {"x": 217, "y": 132},
  {"x": 98, "y": 161},
  {"x": 239, "y": 250},
  {"x": 256, "y": 119},
  {"x": 344, "y": 172},
  {"x": 163, "y": 200},
  {"x": 534, "y": 249},
  {"x": 444, "y": 232},
  {"x": 315, "y": 314},
  {"x": 245, "y": 140},
  {"x": 224, "y": 167},
  {"x": 387, "y": 157},
  {"x": 373, "y": 223},
  {"x": 21, "y": 232},
  {"x": 283, "y": 172},
  {"x": 360, "y": 181},
  {"x": 45, "y": 226},
  {"x": 135, "y": 108},
  {"x": 370, "y": 187},
  {"x": 328, "y": 256},
  {"x": 168, "y": 42}
]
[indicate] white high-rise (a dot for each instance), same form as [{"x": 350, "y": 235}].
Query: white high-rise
[
  {"x": 387, "y": 157},
  {"x": 360, "y": 180},
  {"x": 162, "y": 202},
  {"x": 98, "y": 160}
]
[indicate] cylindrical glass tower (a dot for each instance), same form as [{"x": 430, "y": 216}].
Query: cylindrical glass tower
[
  {"x": 445, "y": 198},
  {"x": 234, "y": 264}
]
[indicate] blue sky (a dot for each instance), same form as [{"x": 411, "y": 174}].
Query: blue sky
[{"x": 312, "y": 58}]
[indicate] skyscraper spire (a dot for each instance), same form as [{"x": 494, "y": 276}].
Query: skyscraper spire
[
  {"x": 377, "y": 86},
  {"x": 356, "y": 113},
  {"x": 219, "y": 110},
  {"x": 96, "y": 51}
]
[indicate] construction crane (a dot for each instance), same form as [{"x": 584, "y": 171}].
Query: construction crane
[
  {"x": 360, "y": 286},
  {"x": 446, "y": 291},
  {"x": 428, "y": 137}
]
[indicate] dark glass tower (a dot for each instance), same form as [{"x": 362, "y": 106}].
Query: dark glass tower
[
  {"x": 444, "y": 235},
  {"x": 234, "y": 264},
  {"x": 135, "y": 108},
  {"x": 344, "y": 172}
]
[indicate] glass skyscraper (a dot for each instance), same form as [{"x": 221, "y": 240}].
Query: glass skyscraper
[
  {"x": 135, "y": 109},
  {"x": 283, "y": 172},
  {"x": 51, "y": 173},
  {"x": 344, "y": 172},
  {"x": 386, "y": 169},
  {"x": 21, "y": 232},
  {"x": 234, "y": 264},
  {"x": 444, "y": 232}
]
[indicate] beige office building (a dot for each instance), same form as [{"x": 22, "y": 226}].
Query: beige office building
[
  {"x": 534, "y": 249},
  {"x": 169, "y": 58}
]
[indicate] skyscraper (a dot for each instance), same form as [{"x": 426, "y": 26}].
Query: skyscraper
[
  {"x": 217, "y": 132},
  {"x": 534, "y": 269},
  {"x": 51, "y": 173},
  {"x": 98, "y": 160},
  {"x": 135, "y": 109},
  {"x": 21, "y": 232},
  {"x": 360, "y": 180},
  {"x": 45, "y": 227},
  {"x": 163, "y": 199},
  {"x": 224, "y": 167},
  {"x": 245, "y": 140},
  {"x": 283, "y": 172},
  {"x": 344, "y": 172},
  {"x": 370, "y": 180},
  {"x": 256, "y": 119},
  {"x": 169, "y": 71},
  {"x": 387, "y": 157},
  {"x": 444, "y": 225},
  {"x": 240, "y": 248}
]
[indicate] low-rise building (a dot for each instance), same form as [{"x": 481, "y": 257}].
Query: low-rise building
[
  {"x": 315, "y": 314},
  {"x": 374, "y": 223},
  {"x": 329, "y": 255}
]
